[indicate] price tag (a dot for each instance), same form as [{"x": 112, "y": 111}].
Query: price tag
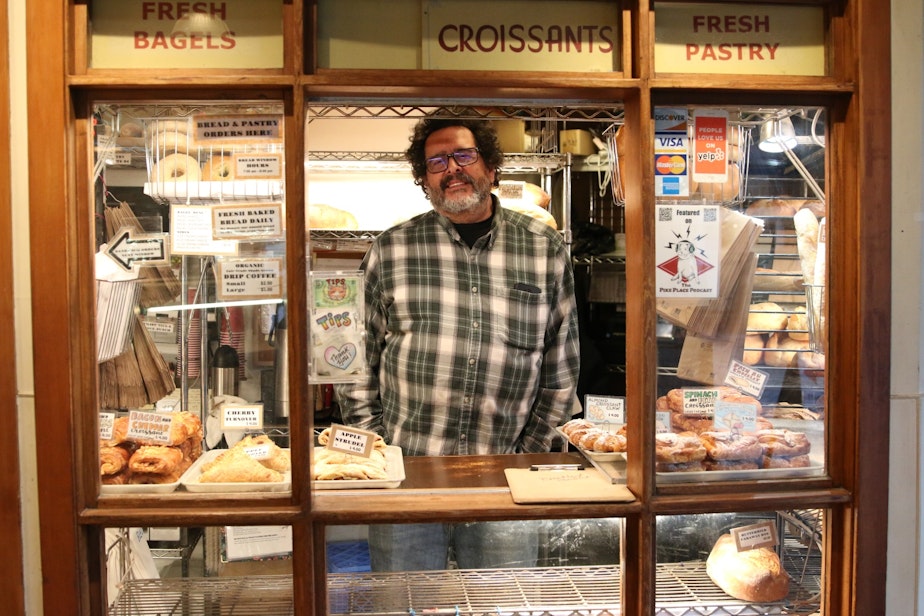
[
  {"x": 735, "y": 417},
  {"x": 241, "y": 416},
  {"x": 147, "y": 426},
  {"x": 662, "y": 422},
  {"x": 753, "y": 536},
  {"x": 605, "y": 409},
  {"x": 351, "y": 440},
  {"x": 258, "y": 452},
  {"x": 749, "y": 380},
  {"x": 105, "y": 425},
  {"x": 699, "y": 402}
]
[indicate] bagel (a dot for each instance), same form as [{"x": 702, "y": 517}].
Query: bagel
[
  {"x": 169, "y": 142},
  {"x": 131, "y": 129},
  {"x": 166, "y": 126},
  {"x": 218, "y": 168},
  {"x": 177, "y": 167}
]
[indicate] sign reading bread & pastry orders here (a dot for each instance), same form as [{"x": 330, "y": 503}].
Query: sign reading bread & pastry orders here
[
  {"x": 739, "y": 39},
  {"x": 186, "y": 35}
]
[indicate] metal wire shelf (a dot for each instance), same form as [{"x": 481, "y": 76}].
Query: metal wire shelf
[{"x": 684, "y": 589}]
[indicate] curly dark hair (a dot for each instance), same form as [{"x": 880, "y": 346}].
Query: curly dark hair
[{"x": 485, "y": 139}]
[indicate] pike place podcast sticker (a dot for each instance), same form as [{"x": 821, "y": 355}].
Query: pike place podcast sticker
[{"x": 688, "y": 242}]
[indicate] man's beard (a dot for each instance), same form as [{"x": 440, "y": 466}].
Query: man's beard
[{"x": 481, "y": 189}]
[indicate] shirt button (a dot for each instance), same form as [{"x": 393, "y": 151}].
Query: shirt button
[
  {"x": 462, "y": 437},
  {"x": 474, "y": 289},
  {"x": 475, "y": 324},
  {"x": 467, "y": 399},
  {"x": 471, "y": 361}
]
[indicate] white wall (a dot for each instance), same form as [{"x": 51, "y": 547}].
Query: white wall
[
  {"x": 905, "y": 502},
  {"x": 22, "y": 304},
  {"x": 905, "y": 494}
]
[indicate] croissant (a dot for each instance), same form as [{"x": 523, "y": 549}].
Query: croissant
[
  {"x": 112, "y": 460},
  {"x": 156, "y": 459}
]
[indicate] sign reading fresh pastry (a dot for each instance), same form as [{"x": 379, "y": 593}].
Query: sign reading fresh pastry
[
  {"x": 238, "y": 279},
  {"x": 190, "y": 35},
  {"x": 739, "y": 39}
]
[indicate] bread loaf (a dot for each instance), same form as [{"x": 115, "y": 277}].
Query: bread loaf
[
  {"x": 776, "y": 281},
  {"x": 766, "y": 316},
  {"x": 772, "y": 207},
  {"x": 807, "y": 242},
  {"x": 755, "y": 575},
  {"x": 781, "y": 350},
  {"x": 753, "y": 349},
  {"x": 322, "y": 216}
]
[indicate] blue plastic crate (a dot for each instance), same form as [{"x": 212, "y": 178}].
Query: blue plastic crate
[{"x": 348, "y": 557}]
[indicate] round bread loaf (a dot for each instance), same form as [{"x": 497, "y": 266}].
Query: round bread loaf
[
  {"x": 753, "y": 349},
  {"x": 766, "y": 316},
  {"x": 755, "y": 575}
]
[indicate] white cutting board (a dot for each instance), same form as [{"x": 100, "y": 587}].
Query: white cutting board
[{"x": 564, "y": 486}]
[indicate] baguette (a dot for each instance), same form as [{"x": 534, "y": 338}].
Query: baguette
[{"x": 807, "y": 242}]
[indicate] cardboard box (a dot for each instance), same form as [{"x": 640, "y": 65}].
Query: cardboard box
[
  {"x": 577, "y": 142},
  {"x": 511, "y": 134}
]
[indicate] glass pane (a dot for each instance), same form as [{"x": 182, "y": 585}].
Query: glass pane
[
  {"x": 199, "y": 570},
  {"x": 232, "y": 34},
  {"x": 190, "y": 296},
  {"x": 559, "y": 166},
  {"x": 573, "y": 563},
  {"x": 776, "y": 570},
  {"x": 740, "y": 254}
]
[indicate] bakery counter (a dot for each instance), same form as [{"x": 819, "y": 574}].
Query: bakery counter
[{"x": 457, "y": 488}]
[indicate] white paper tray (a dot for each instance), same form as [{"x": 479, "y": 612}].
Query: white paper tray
[
  {"x": 815, "y": 469},
  {"x": 394, "y": 466},
  {"x": 139, "y": 488},
  {"x": 190, "y": 480},
  {"x": 595, "y": 455}
]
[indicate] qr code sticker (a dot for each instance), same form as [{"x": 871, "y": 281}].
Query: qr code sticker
[
  {"x": 710, "y": 214},
  {"x": 665, "y": 214}
]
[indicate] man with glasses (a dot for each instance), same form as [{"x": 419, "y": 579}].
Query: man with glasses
[{"x": 471, "y": 340}]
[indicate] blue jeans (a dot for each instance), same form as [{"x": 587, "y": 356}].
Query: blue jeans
[{"x": 474, "y": 545}]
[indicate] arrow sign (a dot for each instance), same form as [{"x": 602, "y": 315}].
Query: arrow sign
[{"x": 129, "y": 249}]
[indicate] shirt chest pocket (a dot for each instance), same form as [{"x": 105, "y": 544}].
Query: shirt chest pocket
[{"x": 520, "y": 316}]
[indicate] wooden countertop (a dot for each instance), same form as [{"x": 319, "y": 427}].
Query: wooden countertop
[{"x": 456, "y": 488}]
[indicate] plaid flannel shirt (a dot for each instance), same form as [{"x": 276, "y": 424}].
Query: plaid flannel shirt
[{"x": 470, "y": 351}]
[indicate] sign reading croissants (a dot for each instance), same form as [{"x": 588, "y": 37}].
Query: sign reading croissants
[{"x": 193, "y": 35}]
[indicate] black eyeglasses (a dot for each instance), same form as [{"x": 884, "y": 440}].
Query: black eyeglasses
[{"x": 463, "y": 157}]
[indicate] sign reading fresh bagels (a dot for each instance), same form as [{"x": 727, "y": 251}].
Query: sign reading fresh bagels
[{"x": 195, "y": 35}]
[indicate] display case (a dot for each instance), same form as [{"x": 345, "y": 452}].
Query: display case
[{"x": 655, "y": 536}]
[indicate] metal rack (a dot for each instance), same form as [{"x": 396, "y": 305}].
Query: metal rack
[{"x": 684, "y": 589}]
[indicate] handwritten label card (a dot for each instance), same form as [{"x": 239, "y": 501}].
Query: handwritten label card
[
  {"x": 241, "y": 416},
  {"x": 147, "y": 426},
  {"x": 753, "y": 536},
  {"x": 351, "y": 440}
]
